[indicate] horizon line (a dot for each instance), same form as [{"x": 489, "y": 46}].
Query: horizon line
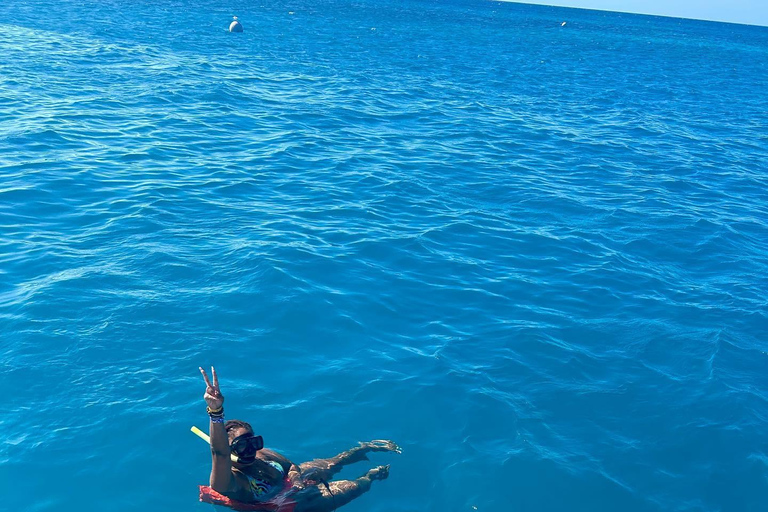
[{"x": 637, "y": 13}]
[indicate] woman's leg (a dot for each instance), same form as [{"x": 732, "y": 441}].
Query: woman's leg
[
  {"x": 323, "y": 469},
  {"x": 322, "y": 498}
]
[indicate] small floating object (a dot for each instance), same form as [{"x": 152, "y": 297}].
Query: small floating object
[
  {"x": 562, "y": 24},
  {"x": 290, "y": 12},
  {"x": 235, "y": 26}
]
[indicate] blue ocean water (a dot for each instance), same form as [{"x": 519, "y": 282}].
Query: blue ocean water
[{"x": 534, "y": 255}]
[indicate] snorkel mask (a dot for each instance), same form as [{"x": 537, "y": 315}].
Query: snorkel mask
[{"x": 245, "y": 447}]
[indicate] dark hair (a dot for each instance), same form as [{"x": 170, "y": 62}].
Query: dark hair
[{"x": 230, "y": 425}]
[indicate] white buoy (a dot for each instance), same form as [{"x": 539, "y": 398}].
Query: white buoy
[
  {"x": 235, "y": 26},
  {"x": 562, "y": 24}
]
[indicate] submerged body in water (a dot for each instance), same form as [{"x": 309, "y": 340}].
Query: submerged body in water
[{"x": 246, "y": 476}]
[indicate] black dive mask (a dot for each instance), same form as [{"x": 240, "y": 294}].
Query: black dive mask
[{"x": 245, "y": 447}]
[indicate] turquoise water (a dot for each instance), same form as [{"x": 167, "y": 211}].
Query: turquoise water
[{"x": 534, "y": 255}]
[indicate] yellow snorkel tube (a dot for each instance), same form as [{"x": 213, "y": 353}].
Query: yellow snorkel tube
[{"x": 202, "y": 435}]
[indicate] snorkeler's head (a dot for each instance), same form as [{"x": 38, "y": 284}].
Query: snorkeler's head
[
  {"x": 236, "y": 427},
  {"x": 242, "y": 442}
]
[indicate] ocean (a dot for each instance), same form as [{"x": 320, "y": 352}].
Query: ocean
[{"x": 529, "y": 244}]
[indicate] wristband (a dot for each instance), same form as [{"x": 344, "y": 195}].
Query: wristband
[
  {"x": 215, "y": 412},
  {"x": 217, "y": 419}
]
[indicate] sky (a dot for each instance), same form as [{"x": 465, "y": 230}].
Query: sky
[{"x": 750, "y": 12}]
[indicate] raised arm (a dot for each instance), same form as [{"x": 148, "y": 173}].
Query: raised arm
[{"x": 221, "y": 463}]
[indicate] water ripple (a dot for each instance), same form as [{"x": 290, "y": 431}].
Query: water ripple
[{"x": 534, "y": 256}]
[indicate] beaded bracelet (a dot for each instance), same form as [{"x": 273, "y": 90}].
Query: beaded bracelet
[{"x": 216, "y": 415}]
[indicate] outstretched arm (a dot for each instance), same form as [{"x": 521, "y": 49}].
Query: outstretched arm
[{"x": 221, "y": 463}]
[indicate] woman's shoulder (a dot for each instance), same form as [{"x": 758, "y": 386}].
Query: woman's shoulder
[{"x": 271, "y": 456}]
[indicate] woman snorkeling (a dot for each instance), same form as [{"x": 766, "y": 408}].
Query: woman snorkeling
[{"x": 247, "y": 476}]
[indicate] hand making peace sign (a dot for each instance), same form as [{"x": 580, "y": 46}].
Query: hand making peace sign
[{"x": 212, "y": 396}]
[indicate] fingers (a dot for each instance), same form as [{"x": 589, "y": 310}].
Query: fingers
[
  {"x": 215, "y": 378},
  {"x": 207, "y": 382}
]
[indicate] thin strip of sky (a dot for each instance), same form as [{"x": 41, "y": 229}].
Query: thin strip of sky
[{"x": 750, "y": 12}]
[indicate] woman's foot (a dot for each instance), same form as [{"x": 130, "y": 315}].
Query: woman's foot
[
  {"x": 381, "y": 445},
  {"x": 378, "y": 473}
]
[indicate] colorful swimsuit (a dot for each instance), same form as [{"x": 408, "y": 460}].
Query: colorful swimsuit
[
  {"x": 261, "y": 489},
  {"x": 280, "y": 502}
]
